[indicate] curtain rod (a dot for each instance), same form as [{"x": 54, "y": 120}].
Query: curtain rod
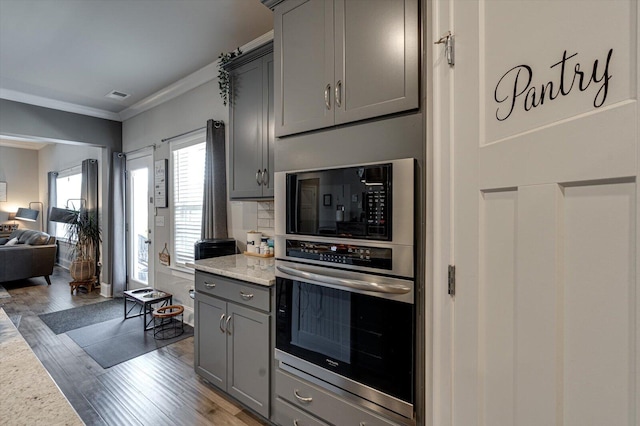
[
  {"x": 184, "y": 134},
  {"x": 140, "y": 149},
  {"x": 216, "y": 124}
]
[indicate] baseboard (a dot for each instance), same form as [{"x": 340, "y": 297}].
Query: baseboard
[
  {"x": 106, "y": 290},
  {"x": 188, "y": 315}
]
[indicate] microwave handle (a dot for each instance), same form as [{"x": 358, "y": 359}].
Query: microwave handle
[{"x": 345, "y": 282}]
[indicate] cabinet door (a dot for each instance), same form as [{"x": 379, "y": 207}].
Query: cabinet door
[
  {"x": 303, "y": 47},
  {"x": 268, "y": 126},
  {"x": 376, "y": 58},
  {"x": 211, "y": 340},
  {"x": 245, "y": 149},
  {"x": 248, "y": 355}
]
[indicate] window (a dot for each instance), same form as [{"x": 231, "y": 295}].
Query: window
[
  {"x": 187, "y": 165},
  {"x": 68, "y": 192}
]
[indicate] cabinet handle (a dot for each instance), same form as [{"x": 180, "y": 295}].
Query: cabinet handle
[
  {"x": 327, "y": 96},
  {"x": 265, "y": 177},
  {"x": 220, "y": 325},
  {"x": 209, "y": 285},
  {"x": 339, "y": 94},
  {"x": 295, "y": 422},
  {"x": 303, "y": 399},
  {"x": 226, "y": 325},
  {"x": 258, "y": 177},
  {"x": 246, "y": 296}
]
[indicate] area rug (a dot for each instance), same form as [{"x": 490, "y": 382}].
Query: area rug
[
  {"x": 118, "y": 340},
  {"x": 4, "y": 294},
  {"x": 69, "y": 319}
]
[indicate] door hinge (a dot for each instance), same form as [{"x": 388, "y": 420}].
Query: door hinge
[
  {"x": 449, "y": 47},
  {"x": 452, "y": 280}
]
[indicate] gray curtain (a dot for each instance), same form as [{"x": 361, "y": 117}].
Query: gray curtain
[
  {"x": 52, "y": 184},
  {"x": 214, "y": 203},
  {"x": 118, "y": 239},
  {"x": 89, "y": 193}
]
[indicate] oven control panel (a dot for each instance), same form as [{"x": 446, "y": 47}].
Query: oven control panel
[{"x": 340, "y": 253}]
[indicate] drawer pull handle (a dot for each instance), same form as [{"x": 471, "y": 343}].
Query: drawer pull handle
[
  {"x": 220, "y": 325},
  {"x": 301, "y": 398},
  {"x": 295, "y": 422},
  {"x": 226, "y": 325},
  {"x": 246, "y": 296},
  {"x": 209, "y": 285}
]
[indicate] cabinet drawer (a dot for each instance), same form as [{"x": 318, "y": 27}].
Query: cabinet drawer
[
  {"x": 239, "y": 292},
  {"x": 323, "y": 404},
  {"x": 286, "y": 414}
]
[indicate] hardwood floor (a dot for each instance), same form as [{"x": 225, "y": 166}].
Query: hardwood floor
[{"x": 158, "y": 388}]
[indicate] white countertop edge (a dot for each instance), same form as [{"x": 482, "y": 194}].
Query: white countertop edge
[{"x": 239, "y": 266}]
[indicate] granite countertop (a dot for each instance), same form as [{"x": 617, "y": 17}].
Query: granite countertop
[
  {"x": 256, "y": 270},
  {"x": 28, "y": 395}
]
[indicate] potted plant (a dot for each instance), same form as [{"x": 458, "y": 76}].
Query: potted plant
[
  {"x": 224, "y": 79},
  {"x": 85, "y": 237}
]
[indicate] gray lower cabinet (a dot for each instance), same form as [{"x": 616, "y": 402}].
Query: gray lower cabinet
[
  {"x": 232, "y": 344},
  {"x": 299, "y": 402},
  {"x": 251, "y": 137},
  {"x": 340, "y": 61}
]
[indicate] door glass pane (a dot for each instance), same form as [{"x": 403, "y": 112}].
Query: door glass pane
[{"x": 139, "y": 224}]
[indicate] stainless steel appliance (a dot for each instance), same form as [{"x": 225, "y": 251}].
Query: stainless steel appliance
[{"x": 345, "y": 311}]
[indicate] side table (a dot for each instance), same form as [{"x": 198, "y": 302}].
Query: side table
[{"x": 144, "y": 299}]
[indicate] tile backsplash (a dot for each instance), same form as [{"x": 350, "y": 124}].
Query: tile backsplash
[{"x": 266, "y": 217}]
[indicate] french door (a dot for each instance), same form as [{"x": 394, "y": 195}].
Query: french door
[{"x": 139, "y": 213}]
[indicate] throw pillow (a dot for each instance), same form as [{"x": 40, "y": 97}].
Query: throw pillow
[
  {"x": 3, "y": 241},
  {"x": 38, "y": 239},
  {"x": 12, "y": 242}
]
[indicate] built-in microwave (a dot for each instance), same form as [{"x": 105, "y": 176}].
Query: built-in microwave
[{"x": 354, "y": 217}]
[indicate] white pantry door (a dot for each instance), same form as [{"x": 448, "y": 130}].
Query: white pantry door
[{"x": 544, "y": 142}]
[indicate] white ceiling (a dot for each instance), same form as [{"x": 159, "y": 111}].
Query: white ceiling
[{"x": 73, "y": 52}]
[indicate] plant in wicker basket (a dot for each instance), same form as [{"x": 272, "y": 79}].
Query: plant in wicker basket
[{"x": 85, "y": 236}]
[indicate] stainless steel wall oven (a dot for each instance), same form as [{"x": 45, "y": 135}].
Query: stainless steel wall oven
[{"x": 345, "y": 256}]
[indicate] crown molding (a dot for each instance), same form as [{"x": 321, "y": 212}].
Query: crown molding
[
  {"x": 190, "y": 82},
  {"x": 26, "y": 98}
]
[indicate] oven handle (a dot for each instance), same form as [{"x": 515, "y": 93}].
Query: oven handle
[{"x": 345, "y": 282}]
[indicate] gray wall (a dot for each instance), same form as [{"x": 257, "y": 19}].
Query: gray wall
[
  {"x": 362, "y": 142},
  {"x": 35, "y": 122}
]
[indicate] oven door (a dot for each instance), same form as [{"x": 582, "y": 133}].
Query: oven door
[{"x": 356, "y": 339}]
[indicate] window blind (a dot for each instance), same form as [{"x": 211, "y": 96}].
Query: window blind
[{"x": 188, "y": 187}]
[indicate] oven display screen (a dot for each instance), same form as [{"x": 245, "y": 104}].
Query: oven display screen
[{"x": 341, "y": 254}]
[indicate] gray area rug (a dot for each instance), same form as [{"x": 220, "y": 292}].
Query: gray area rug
[
  {"x": 69, "y": 319},
  {"x": 4, "y": 294},
  {"x": 118, "y": 340}
]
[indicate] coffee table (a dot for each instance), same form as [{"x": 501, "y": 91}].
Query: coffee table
[{"x": 145, "y": 298}]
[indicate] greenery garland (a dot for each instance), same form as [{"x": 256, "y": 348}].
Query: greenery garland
[{"x": 224, "y": 82}]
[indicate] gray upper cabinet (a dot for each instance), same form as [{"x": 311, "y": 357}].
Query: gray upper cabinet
[
  {"x": 251, "y": 122},
  {"x": 343, "y": 60}
]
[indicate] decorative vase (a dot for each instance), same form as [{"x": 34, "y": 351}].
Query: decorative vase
[{"x": 82, "y": 269}]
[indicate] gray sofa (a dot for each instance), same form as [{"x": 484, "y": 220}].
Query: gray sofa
[{"x": 34, "y": 255}]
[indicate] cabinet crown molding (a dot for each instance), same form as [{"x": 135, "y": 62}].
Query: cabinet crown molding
[{"x": 249, "y": 56}]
